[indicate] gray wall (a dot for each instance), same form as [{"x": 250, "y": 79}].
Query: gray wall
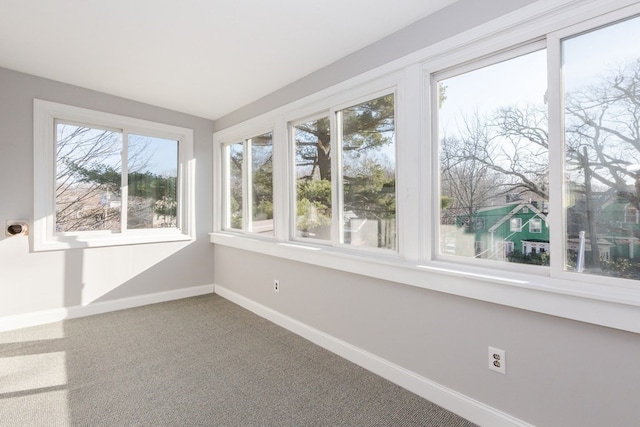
[
  {"x": 32, "y": 282},
  {"x": 560, "y": 372}
]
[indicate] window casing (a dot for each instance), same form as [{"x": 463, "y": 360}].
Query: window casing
[{"x": 103, "y": 179}]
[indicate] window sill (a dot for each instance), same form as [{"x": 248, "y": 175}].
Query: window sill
[
  {"x": 106, "y": 240},
  {"x": 613, "y": 307}
]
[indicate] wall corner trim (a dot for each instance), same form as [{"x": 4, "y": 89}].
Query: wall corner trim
[
  {"x": 19, "y": 321},
  {"x": 449, "y": 399}
]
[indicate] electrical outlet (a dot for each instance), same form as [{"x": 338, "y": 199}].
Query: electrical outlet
[
  {"x": 276, "y": 285},
  {"x": 497, "y": 360}
]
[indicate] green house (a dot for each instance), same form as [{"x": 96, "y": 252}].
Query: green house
[
  {"x": 620, "y": 225},
  {"x": 517, "y": 227}
]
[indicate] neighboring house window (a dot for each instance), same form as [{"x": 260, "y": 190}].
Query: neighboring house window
[
  {"x": 631, "y": 215},
  {"x": 491, "y": 125},
  {"x": 515, "y": 224},
  {"x": 601, "y": 125},
  {"x": 249, "y": 185},
  {"x": 110, "y": 179},
  {"x": 508, "y": 247},
  {"x": 535, "y": 225}
]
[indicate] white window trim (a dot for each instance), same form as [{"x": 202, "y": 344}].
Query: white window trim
[
  {"x": 540, "y": 289},
  {"x": 44, "y": 237}
]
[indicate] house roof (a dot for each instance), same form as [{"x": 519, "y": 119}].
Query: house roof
[{"x": 515, "y": 210}]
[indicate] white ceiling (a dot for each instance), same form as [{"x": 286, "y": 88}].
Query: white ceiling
[{"x": 203, "y": 57}]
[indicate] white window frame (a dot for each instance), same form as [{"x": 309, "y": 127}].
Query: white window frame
[
  {"x": 293, "y": 194},
  {"x": 247, "y": 207},
  {"x": 46, "y": 114},
  {"x": 337, "y": 180},
  {"x": 540, "y": 289},
  {"x": 557, "y": 162},
  {"x": 470, "y": 59}
]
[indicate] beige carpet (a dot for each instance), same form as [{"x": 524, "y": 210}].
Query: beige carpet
[{"x": 193, "y": 362}]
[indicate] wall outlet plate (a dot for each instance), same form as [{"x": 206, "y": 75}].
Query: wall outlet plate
[{"x": 497, "y": 360}]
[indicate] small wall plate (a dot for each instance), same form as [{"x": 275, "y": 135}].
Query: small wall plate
[{"x": 16, "y": 227}]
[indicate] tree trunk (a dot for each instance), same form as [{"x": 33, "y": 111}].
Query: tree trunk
[{"x": 324, "y": 156}]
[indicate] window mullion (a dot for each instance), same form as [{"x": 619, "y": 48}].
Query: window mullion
[
  {"x": 225, "y": 168},
  {"x": 248, "y": 188},
  {"x": 124, "y": 182},
  {"x": 556, "y": 154},
  {"x": 337, "y": 200}
]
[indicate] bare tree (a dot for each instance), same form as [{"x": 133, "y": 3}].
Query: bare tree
[{"x": 466, "y": 174}]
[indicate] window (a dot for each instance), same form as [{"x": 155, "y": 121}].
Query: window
[
  {"x": 110, "y": 179},
  {"x": 492, "y": 127},
  {"x": 235, "y": 190},
  {"x": 535, "y": 225},
  {"x": 601, "y": 70},
  {"x": 365, "y": 215},
  {"x": 249, "y": 180},
  {"x": 366, "y": 134},
  {"x": 313, "y": 190}
]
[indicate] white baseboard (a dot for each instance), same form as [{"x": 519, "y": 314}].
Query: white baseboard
[
  {"x": 451, "y": 400},
  {"x": 9, "y": 323}
]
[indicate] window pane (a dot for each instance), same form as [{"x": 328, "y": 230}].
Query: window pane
[
  {"x": 494, "y": 161},
  {"x": 369, "y": 173},
  {"x": 153, "y": 178},
  {"x": 262, "y": 184},
  {"x": 88, "y": 178},
  {"x": 602, "y": 150},
  {"x": 235, "y": 185},
  {"x": 313, "y": 179}
]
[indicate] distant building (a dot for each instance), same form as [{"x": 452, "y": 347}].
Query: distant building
[{"x": 514, "y": 227}]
